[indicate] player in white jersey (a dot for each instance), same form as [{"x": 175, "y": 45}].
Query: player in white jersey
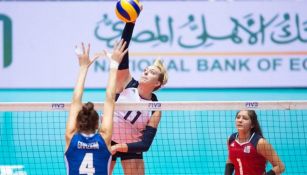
[
  {"x": 88, "y": 151},
  {"x": 134, "y": 131},
  {"x": 130, "y": 124}
]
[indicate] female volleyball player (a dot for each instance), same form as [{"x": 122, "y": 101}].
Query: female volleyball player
[
  {"x": 134, "y": 131},
  {"x": 86, "y": 151},
  {"x": 248, "y": 150}
]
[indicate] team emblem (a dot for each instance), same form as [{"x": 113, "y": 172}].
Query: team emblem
[{"x": 247, "y": 149}]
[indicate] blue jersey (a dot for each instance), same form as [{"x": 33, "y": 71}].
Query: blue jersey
[{"x": 87, "y": 155}]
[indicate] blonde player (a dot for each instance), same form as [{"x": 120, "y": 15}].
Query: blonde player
[{"x": 134, "y": 131}]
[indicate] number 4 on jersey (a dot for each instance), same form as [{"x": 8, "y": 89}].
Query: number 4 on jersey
[{"x": 87, "y": 165}]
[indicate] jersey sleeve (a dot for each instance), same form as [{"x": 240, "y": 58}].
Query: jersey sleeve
[
  {"x": 232, "y": 138},
  {"x": 132, "y": 84}
]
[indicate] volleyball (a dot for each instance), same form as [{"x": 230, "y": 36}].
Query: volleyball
[{"x": 127, "y": 10}]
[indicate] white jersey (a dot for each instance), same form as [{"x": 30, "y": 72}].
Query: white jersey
[{"x": 128, "y": 125}]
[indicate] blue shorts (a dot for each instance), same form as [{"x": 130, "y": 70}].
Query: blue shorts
[{"x": 126, "y": 156}]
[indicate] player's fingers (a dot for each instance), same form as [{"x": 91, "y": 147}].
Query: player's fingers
[
  {"x": 88, "y": 49},
  {"x": 107, "y": 54},
  {"x": 115, "y": 45},
  {"x": 124, "y": 53},
  {"x": 83, "y": 48},
  {"x": 119, "y": 44},
  {"x": 123, "y": 46},
  {"x": 96, "y": 56}
]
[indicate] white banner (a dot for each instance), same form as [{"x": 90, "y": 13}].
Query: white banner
[{"x": 203, "y": 44}]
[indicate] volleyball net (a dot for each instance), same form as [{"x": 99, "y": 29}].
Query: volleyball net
[{"x": 191, "y": 137}]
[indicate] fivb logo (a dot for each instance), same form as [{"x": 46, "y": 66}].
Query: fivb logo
[
  {"x": 12, "y": 170},
  {"x": 251, "y": 104},
  {"x": 7, "y": 40}
]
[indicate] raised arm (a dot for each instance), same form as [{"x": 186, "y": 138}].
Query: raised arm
[
  {"x": 266, "y": 150},
  {"x": 107, "y": 124},
  {"x": 123, "y": 73},
  {"x": 76, "y": 104}
]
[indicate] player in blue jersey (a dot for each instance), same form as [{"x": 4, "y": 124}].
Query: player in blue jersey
[
  {"x": 248, "y": 150},
  {"x": 87, "y": 151},
  {"x": 134, "y": 131}
]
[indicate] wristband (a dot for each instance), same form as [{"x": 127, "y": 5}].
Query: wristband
[
  {"x": 229, "y": 168},
  {"x": 113, "y": 64},
  {"x": 271, "y": 172}
]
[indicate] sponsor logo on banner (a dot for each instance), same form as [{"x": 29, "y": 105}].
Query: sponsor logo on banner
[
  {"x": 7, "y": 40},
  {"x": 250, "y": 47},
  {"x": 241, "y": 47},
  {"x": 192, "y": 31}
]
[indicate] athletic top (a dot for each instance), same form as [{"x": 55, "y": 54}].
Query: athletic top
[
  {"x": 87, "y": 155},
  {"x": 128, "y": 125},
  {"x": 244, "y": 156}
]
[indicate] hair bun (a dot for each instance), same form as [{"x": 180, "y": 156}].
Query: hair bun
[
  {"x": 87, "y": 118},
  {"x": 88, "y": 107}
]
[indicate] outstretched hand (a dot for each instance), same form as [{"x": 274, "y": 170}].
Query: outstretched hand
[
  {"x": 83, "y": 55},
  {"x": 119, "y": 51}
]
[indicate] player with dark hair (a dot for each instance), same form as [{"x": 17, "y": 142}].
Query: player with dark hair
[
  {"x": 88, "y": 151},
  {"x": 248, "y": 150}
]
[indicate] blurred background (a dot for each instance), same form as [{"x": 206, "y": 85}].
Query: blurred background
[{"x": 234, "y": 50}]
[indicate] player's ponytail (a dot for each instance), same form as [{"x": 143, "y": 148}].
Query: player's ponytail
[{"x": 256, "y": 126}]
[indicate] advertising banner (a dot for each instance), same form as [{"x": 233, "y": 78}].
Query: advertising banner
[{"x": 203, "y": 44}]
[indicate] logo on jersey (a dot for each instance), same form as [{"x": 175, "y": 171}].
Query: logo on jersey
[
  {"x": 247, "y": 149},
  {"x": 232, "y": 145}
]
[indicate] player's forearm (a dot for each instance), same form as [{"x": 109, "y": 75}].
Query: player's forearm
[
  {"x": 110, "y": 100},
  {"x": 277, "y": 169},
  {"x": 111, "y": 85},
  {"x": 127, "y": 33},
  {"x": 155, "y": 119},
  {"x": 126, "y": 36},
  {"x": 121, "y": 147},
  {"x": 280, "y": 168},
  {"x": 142, "y": 146},
  {"x": 108, "y": 109},
  {"x": 78, "y": 90},
  {"x": 229, "y": 168}
]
